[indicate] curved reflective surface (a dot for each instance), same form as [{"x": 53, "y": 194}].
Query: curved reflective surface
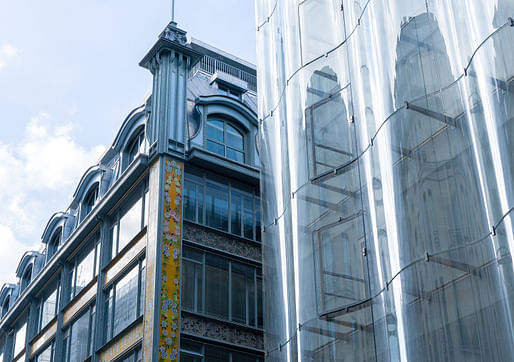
[{"x": 387, "y": 145}]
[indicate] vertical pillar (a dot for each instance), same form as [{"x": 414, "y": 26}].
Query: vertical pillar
[{"x": 162, "y": 302}]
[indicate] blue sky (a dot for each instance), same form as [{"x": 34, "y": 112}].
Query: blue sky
[{"x": 69, "y": 75}]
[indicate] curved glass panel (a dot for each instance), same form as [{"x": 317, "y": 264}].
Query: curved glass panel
[{"x": 387, "y": 145}]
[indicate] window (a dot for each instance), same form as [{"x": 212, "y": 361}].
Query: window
[
  {"x": 221, "y": 287},
  {"x": 48, "y": 354},
  {"x": 19, "y": 339},
  {"x": 89, "y": 202},
  {"x": 26, "y": 278},
  {"x": 225, "y": 140},
  {"x": 191, "y": 351},
  {"x": 125, "y": 300},
  {"x": 207, "y": 202},
  {"x": 227, "y": 91},
  {"x": 135, "y": 147},
  {"x": 5, "y": 306},
  {"x": 128, "y": 222},
  {"x": 53, "y": 244},
  {"x": 85, "y": 268},
  {"x": 48, "y": 307},
  {"x": 133, "y": 356},
  {"x": 78, "y": 338}
]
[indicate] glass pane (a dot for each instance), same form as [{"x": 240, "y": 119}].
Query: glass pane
[
  {"x": 19, "y": 339},
  {"x": 216, "y": 286},
  {"x": 79, "y": 348},
  {"x": 259, "y": 303},
  {"x": 216, "y": 204},
  {"x": 243, "y": 357},
  {"x": 239, "y": 294},
  {"x": 142, "y": 288},
  {"x": 234, "y": 137},
  {"x": 258, "y": 219},
  {"x": 85, "y": 271},
  {"x": 189, "y": 200},
  {"x": 248, "y": 217},
  {"x": 235, "y": 211},
  {"x": 215, "y": 130},
  {"x": 46, "y": 355},
  {"x": 114, "y": 239},
  {"x": 188, "y": 284},
  {"x": 108, "y": 316},
  {"x": 216, "y": 148},
  {"x": 125, "y": 302},
  {"x": 48, "y": 308},
  {"x": 130, "y": 224},
  {"x": 216, "y": 354},
  {"x": 147, "y": 205},
  {"x": 235, "y": 155}
]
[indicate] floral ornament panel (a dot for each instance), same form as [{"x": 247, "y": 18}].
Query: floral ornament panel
[{"x": 170, "y": 276}]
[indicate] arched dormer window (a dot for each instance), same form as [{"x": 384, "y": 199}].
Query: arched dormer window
[
  {"x": 53, "y": 244},
  {"x": 5, "y": 305},
  {"x": 26, "y": 278},
  {"x": 89, "y": 201},
  {"x": 135, "y": 147},
  {"x": 225, "y": 140}
]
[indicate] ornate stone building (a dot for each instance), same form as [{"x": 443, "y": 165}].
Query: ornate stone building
[{"x": 158, "y": 255}]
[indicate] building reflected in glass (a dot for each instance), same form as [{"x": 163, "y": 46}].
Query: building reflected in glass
[{"x": 387, "y": 150}]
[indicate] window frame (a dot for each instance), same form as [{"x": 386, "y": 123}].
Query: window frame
[
  {"x": 200, "y": 211},
  {"x": 68, "y": 332},
  {"x": 137, "y": 138},
  {"x": 93, "y": 245},
  {"x": 90, "y": 200},
  {"x": 199, "y": 307},
  {"x": 55, "y": 287},
  {"x": 141, "y": 194},
  {"x": 110, "y": 301},
  {"x": 226, "y": 122}
]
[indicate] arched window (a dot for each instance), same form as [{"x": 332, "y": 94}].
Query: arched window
[
  {"x": 224, "y": 139},
  {"x": 135, "y": 147},
  {"x": 89, "y": 201},
  {"x": 53, "y": 244},
  {"x": 27, "y": 277},
  {"x": 5, "y": 306}
]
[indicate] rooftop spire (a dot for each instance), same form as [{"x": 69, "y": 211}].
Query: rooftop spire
[{"x": 172, "y": 11}]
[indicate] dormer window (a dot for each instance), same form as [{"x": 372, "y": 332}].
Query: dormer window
[
  {"x": 227, "y": 91},
  {"x": 225, "y": 140},
  {"x": 89, "y": 202},
  {"x": 135, "y": 147},
  {"x": 53, "y": 245},
  {"x": 5, "y": 306},
  {"x": 27, "y": 277}
]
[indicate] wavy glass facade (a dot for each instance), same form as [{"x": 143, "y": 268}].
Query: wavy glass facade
[{"x": 387, "y": 145}]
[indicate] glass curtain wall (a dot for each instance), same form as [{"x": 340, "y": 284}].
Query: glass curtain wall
[{"x": 387, "y": 150}]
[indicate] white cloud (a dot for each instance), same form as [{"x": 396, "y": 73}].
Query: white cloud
[
  {"x": 7, "y": 53},
  {"x": 12, "y": 251},
  {"x": 38, "y": 174}
]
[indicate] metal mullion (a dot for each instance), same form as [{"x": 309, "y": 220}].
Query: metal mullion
[
  {"x": 203, "y": 283},
  {"x": 255, "y": 297}
]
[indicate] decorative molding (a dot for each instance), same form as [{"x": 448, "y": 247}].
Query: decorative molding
[
  {"x": 224, "y": 332},
  {"x": 230, "y": 244},
  {"x": 172, "y": 33}
]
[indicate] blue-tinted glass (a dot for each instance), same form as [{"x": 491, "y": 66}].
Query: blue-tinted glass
[
  {"x": 79, "y": 348},
  {"x": 234, "y": 137},
  {"x": 189, "y": 200},
  {"x": 235, "y": 211},
  {"x": 125, "y": 303},
  {"x": 235, "y": 155},
  {"x": 215, "y": 130},
  {"x": 216, "y": 148},
  {"x": 248, "y": 217},
  {"x": 216, "y": 204}
]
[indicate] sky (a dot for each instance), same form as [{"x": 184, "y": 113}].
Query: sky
[{"x": 69, "y": 75}]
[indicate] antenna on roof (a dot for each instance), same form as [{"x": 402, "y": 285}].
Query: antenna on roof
[{"x": 173, "y": 11}]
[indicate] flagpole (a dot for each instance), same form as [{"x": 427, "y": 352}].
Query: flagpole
[{"x": 173, "y": 10}]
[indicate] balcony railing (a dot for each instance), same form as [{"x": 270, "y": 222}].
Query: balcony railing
[{"x": 211, "y": 65}]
